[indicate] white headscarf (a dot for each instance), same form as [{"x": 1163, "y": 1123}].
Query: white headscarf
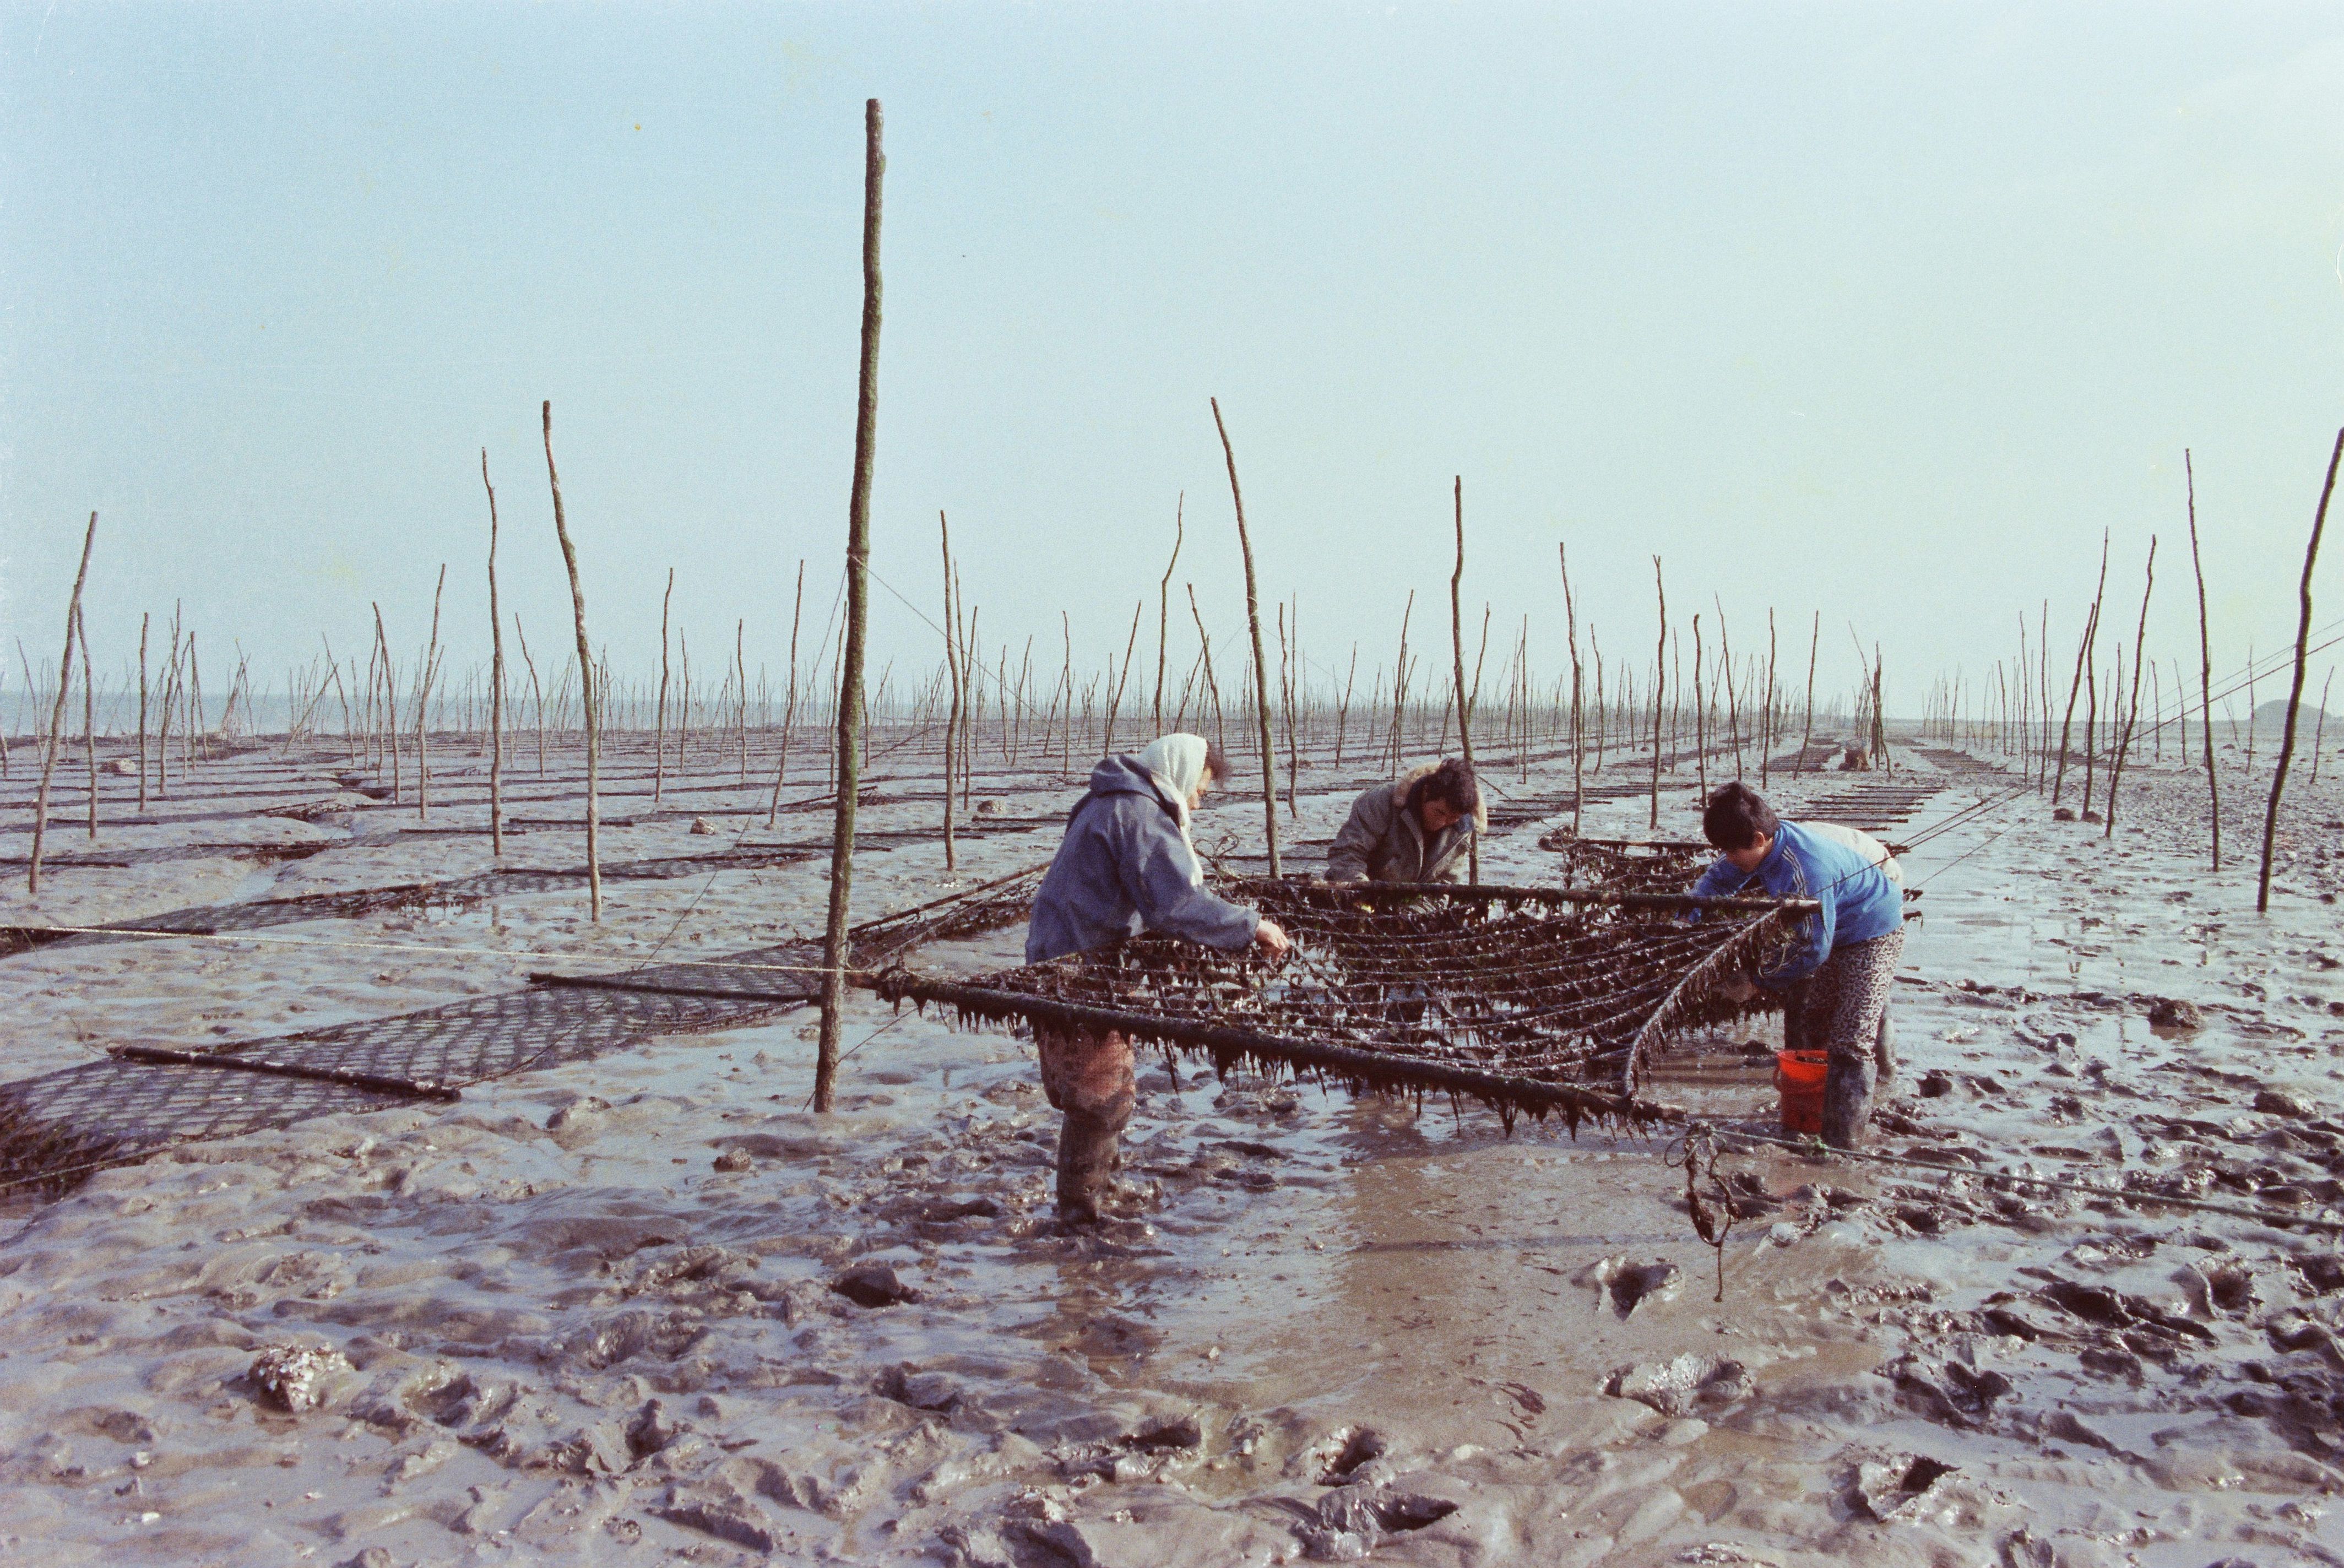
[{"x": 1177, "y": 764}]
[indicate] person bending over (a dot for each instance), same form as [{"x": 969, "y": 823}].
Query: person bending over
[
  {"x": 1420, "y": 829},
  {"x": 1845, "y": 954},
  {"x": 1125, "y": 865},
  {"x": 1883, "y": 1046}
]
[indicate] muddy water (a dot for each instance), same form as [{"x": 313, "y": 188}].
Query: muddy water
[{"x": 591, "y": 1315}]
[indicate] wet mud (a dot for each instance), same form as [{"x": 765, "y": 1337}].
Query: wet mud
[{"x": 648, "y": 1308}]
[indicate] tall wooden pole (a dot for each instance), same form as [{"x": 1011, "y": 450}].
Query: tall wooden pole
[
  {"x": 1571, "y": 618},
  {"x": 1457, "y": 646},
  {"x": 1260, "y": 669},
  {"x": 951, "y": 669},
  {"x": 1659, "y": 685},
  {"x": 589, "y": 699},
  {"x": 2132, "y": 712},
  {"x": 2204, "y": 668},
  {"x": 496, "y": 681},
  {"x": 57, "y": 714},
  {"x": 834, "y": 955},
  {"x": 2295, "y": 687},
  {"x": 1163, "y": 601}
]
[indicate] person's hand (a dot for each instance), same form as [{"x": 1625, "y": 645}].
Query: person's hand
[{"x": 1272, "y": 940}]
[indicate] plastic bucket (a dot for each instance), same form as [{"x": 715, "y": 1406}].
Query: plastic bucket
[{"x": 1799, "y": 1077}]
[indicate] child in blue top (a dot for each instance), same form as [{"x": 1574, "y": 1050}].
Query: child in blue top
[{"x": 1842, "y": 957}]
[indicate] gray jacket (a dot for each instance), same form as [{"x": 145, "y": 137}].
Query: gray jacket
[
  {"x": 1384, "y": 841},
  {"x": 1124, "y": 868}
]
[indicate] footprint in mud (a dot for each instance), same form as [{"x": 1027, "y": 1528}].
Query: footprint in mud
[{"x": 1624, "y": 1285}]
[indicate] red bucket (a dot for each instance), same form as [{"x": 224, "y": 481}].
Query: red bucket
[{"x": 1799, "y": 1077}]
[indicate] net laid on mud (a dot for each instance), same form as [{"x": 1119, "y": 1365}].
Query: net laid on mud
[
  {"x": 1526, "y": 998},
  {"x": 60, "y": 1126}
]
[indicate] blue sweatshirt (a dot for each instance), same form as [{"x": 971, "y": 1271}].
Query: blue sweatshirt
[
  {"x": 1859, "y": 902},
  {"x": 1124, "y": 868}
]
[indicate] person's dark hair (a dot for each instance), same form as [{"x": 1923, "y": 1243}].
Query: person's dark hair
[
  {"x": 1452, "y": 784},
  {"x": 1216, "y": 764},
  {"x": 1738, "y": 816}
]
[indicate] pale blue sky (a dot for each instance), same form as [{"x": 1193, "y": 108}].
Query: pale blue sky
[{"x": 1884, "y": 310}]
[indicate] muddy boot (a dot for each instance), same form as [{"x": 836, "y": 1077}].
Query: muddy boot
[
  {"x": 1090, "y": 1078},
  {"x": 1847, "y": 1098},
  {"x": 1090, "y": 1148},
  {"x": 1884, "y": 1054}
]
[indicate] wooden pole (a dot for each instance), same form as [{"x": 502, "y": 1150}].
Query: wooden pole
[
  {"x": 790, "y": 706},
  {"x": 2074, "y": 687},
  {"x": 588, "y": 700},
  {"x": 1163, "y": 601},
  {"x": 1260, "y": 669},
  {"x": 1659, "y": 681},
  {"x": 1457, "y": 647},
  {"x": 659, "y": 717},
  {"x": 2295, "y": 687},
  {"x": 849, "y": 683},
  {"x": 1570, "y": 619},
  {"x": 952, "y": 668},
  {"x": 496, "y": 682},
  {"x": 2204, "y": 668},
  {"x": 58, "y": 713},
  {"x": 88, "y": 718},
  {"x": 423, "y": 706},
  {"x": 2132, "y": 712}
]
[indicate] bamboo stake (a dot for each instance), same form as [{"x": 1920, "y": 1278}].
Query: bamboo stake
[
  {"x": 2295, "y": 688},
  {"x": 142, "y": 713},
  {"x": 423, "y": 706},
  {"x": 2132, "y": 714},
  {"x": 850, "y": 686},
  {"x": 1163, "y": 601},
  {"x": 587, "y": 698},
  {"x": 1808, "y": 732},
  {"x": 1115, "y": 694},
  {"x": 496, "y": 681},
  {"x": 1660, "y": 680},
  {"x": 58, "y": 713},
  {"x": 2083, "y": 654},
  {"x": 1457, "y": 646},
  {"x": 952, "y": 668},
  {"x": 1570, "y": 619},
  {"x": 88, "y": 718},
  {"x": 1260, "y": 669},
  {"x": 658, "y": 720},
  {"x": 2204, "y": 668},
  {"x": 2320, "y": 730}
]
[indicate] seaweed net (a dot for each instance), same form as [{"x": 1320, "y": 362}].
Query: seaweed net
[
  {"x": 1627, "y": 865},
  {"x": 1525, "y": 999},
  {"x": 138, "y": 1101}
]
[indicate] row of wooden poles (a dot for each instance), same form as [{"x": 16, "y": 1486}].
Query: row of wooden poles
[{"x": 1609, "y": 719}]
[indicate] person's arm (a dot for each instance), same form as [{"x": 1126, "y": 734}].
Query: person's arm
[
  {"x": 1812, "y": 939},
  {"x": 1347, "y": 858},
  {"x": 1156, "y": 864}
]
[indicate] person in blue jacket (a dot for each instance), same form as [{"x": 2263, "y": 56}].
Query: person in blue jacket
[
  {"x": 1125, "y": 865},
  {"x": 1841, "y": 958}
]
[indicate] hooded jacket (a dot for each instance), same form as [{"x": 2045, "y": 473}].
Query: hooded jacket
[
  {"x": 1125, "y": 867},
  {"x": 1384, "y": 841}
]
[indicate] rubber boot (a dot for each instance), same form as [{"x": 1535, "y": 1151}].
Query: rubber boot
[
  {"x": 1884, "y": 1054},
  {"x": 1089, "y": 1078},
  {"x": 1847, "y": 1098},
  {"x": 1090, "y": 1150}
]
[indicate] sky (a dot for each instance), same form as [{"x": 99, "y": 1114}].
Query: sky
[{"x": 1882, "y": 314}]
